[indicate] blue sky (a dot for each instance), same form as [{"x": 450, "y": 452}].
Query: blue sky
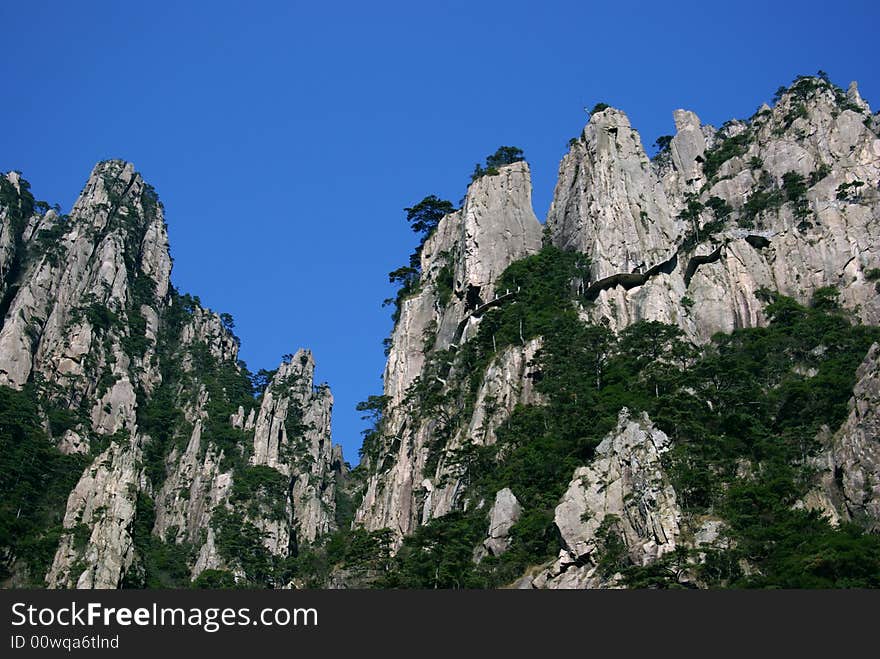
[{"x": 284, "y": 138}]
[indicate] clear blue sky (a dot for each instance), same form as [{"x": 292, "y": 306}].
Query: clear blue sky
[{"x": 284, "y": 138}]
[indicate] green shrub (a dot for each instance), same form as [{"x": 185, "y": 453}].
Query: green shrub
[{"x": 730, "y": 147}]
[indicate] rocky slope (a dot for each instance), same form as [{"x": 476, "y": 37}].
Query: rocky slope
[
  {"x": 460, "y": 265},
  {"x": 701, "y": 237},
  {"x": 622, "y": 495},
  {"x": 145, "y": 385},
  {"x": 503, "y": 450},
  {"x": 850, "y": 464},
  {"x": 786, "y": 201}
]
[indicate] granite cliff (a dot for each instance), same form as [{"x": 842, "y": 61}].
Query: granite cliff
[
  {"x": 180, "y": 457},
  {"x": 610, "y": 399}
]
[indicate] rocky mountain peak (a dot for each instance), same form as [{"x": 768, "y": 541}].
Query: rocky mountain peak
[
  {"x": 504, "y": 423},
  {"x": 608, "y": 203},
  {"x": 498, "y": 228}
]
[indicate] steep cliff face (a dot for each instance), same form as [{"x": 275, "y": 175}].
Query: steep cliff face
[
  {"x": 81, "y": 325},
  {"x": 145, "y": 386},
  {"x": 850, "y": 477},
  {"x": 609, "y": 203},
  {"x": 87, "y": 305},
  {"x": 504, "y": 450},
  {"x": 785, "y": 202},
  {"x": 460, "y": 265},
  {"x": 622, "y": 500},
  {"x": 292, "y": 435},
  {"x": 700, "y": 238}
]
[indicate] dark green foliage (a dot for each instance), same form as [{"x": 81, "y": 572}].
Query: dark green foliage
[
  {"x": 803, "y": 551},
  {"x": 779, "y": 93},
  {"x": 599, "y": 107},
  {"x": 795, "y": 187},
  {"x": 719, "y": 207},
  {"x": 62, "y": 419},
  {"x": 160, "y": 418},
  {"x": 760, "y": 201},
  {"x": 741, "y": 400},
  {"x": 541, "y": 289},
  {"x": 215, "y": 580},
  {"x": 803, "y": 92},
  {"x": 22, "y": 204},
  {"x": 35, "y": 480},
  {"x": 821, "y": 172},
  {"x": 767, "y": 197},
  {"x": 346, "y": 505},
  {"x": 445, "y": 283},
  {"x": 374, "y": 407},
  {"x": 730, "y": 147},
  {"x": 663, "y": 142},
  {"x": 241, "y": 543},
  {"x": 366, "y": 550},
  {"x": 797, "y": 111},
  {"x": 692, "y": 210},
  {"x": 612, "y": 548},
  {"x": 849, "y": 191},
  {"x": 440, "y": 554},
  {"x": 163, "y": 564},
  {"x": 261, "y": 379},
  {"x": 262, "y": 490},
  {"x": 424, "y": 216},
  {"x": 228, "y": 386},
  {"x": 692, "y": 213},
  {"x": 407, "y": 278},
  {"x": 101, "y": 317},
  {"x": 505, "y": 155},
  {"x": 20, "y": 207}
]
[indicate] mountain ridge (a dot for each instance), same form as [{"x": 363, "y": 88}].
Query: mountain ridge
[{"x": 192, "y": 469}]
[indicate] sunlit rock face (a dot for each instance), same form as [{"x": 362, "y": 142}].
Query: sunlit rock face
[
  {"x": 460, "y": 264},
  {"x": 91, "y": 321},
  {"x": 690, "y": 237}
]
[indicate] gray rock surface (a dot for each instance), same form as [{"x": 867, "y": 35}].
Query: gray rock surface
[
  {"x": 504, "y": 514},
  {"x": 609, "y": 203},
  {"x": 624, "y": 491},
  {"x": 471, "y": 248},
  {"x": 89, "y": 302},
  {"x": 629, "y": 215},
  {"x": 850, "y": 481},
  {"x": 308, "y": 456},
  {"x": 97, "y": 549}
]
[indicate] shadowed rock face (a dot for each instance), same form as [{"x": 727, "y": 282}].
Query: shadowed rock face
[{"x": 850, "y": 483}]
